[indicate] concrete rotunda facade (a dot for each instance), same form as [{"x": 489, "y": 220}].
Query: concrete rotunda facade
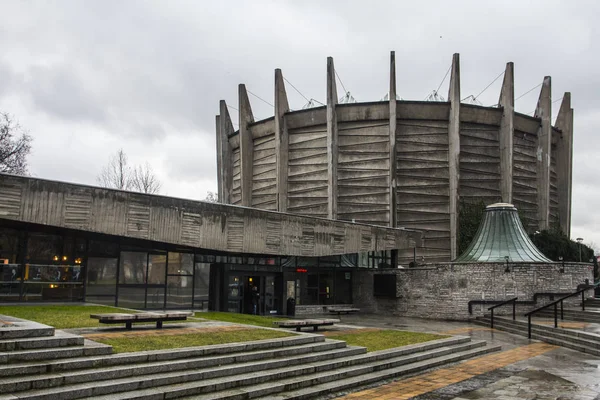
[{"x": 401, "y": 163}]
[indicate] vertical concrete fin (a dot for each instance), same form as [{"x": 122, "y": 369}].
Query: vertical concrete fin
[
  {"x": 544, "y": 136},
  {"x": 507, "y": 129},
  {"x": 332, "y": 141},
  {"x": 219, "y": 159},
  {"x": 563, "y": 113},
  {"x": 454, "y": 151},
  {"x": 226, "y": 170},
  {"x": 564, "y": 167},
  {"x": 281, "y": 141},
  {"x": 571, "y": 115},
  {"x": 393, "y": 150},
  {"x": 246, "y": 146}
]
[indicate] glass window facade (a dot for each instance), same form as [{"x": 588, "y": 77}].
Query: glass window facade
[
  {"x": 101, "y": 280},
  {"x": 322, "y": 280},
  {"x": 44, "y": 264}
]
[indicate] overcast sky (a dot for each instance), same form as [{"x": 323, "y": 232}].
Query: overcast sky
[{"x": 86, "y": 78}]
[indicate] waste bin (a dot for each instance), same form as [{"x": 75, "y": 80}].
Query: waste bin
[{"x": 291, "y": 306}]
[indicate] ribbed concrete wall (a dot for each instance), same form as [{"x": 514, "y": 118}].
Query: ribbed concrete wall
[
  {"x": 353, "y": 162},
  {"x": 264, "y": 171},
  {"x": 525, "y": 190},
  {"x": 422, "y": 195},
  {"x": 363, "y": 172},
  {"x": 181, "y": 222},
  {"x": 307, "y": 171},
  {"x": 236, "y": 191},
  {"x": 423, "y": 182}
]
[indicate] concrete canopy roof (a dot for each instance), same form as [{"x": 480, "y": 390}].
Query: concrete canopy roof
[{"x": 190, "y": 223}]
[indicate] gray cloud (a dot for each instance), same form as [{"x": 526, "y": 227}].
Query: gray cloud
[{"x": 87, "y": 78}]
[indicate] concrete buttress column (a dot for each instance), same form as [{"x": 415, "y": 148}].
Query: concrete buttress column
[
  {"x": 281, "y": 141},
  {"x": 507, "y": 130},
  {"x": 246, "y": 146},
  {"x": 544, "y": 136},
  {"x": 454, "y": 151},
  {"x": 564, "y": 160},
  {"x": 224, "y": 156},
  {"x": 332, "y": 142},
  {"x": 393, "y": 151},
  {"x": 219, "y": 159}
]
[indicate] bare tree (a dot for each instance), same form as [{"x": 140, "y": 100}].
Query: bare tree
[
  {"x": 15, "y": 145},
  {"x": 211, "y": 197},
  {"x": 144, "y": 180},
  {"x": 116, "y": 174}
]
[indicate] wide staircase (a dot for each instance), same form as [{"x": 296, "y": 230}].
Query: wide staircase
[
  {"x": 589, "y": 315},
  {"x": 41, "y": 363},
  {"x": 586, "y": 342}
]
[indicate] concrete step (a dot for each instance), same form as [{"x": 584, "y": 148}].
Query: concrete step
[
  {"x": 576, "y": 340},
  {"x": 207, "y": 380},
  {"x": 226, "y": 364},
  {"x": 87, "y": 349},
  {"x": 19, "y": 328},
  {"x": 60, "y": 339},
  {"x": 324, "y": 378},
  {"x": 275, "y": 347},
  {"x": 270, "y": 382},
  {"x": 595, "y": 302},
  {"x": 310, "y": 392},
  {"x": 549, "y": 329},
  {"x": 573, "y": 315}
]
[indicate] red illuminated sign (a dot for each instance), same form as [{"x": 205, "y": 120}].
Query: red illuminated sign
[{"x": 303, "y": 270}]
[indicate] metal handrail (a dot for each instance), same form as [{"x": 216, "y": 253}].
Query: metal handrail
[
  {"x": 555, "y": 304},
  {"x": 513, "y": 301}
]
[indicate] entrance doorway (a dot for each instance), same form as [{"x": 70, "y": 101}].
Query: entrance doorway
[
  {"x": 252, "y": 295},
  {"x": 258, "y": 294}
]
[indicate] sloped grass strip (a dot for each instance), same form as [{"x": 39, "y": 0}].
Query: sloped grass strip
[
  {"x": 383, "y": 339},
  {"x": 60, "y": 316}
]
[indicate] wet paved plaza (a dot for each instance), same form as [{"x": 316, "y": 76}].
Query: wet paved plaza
[{"x": 524, "y": 369}]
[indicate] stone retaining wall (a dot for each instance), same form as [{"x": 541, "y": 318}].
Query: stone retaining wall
[{"x": 443, "y": 291}]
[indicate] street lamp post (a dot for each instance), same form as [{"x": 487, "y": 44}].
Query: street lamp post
[{"x": 579, "y": 240}]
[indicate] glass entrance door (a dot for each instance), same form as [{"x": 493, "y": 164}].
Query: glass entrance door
[{"x": 271, "y": 296}]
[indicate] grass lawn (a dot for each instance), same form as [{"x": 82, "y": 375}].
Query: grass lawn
[
  {"x": 159, "y": 342},
  {"x": 247, "y": 319},
  {"x": 384, "y": 339},
  {"x": 60, "y": 316}
]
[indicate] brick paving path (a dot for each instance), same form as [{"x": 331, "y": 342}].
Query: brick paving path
[{"x": 428, "y": 382}]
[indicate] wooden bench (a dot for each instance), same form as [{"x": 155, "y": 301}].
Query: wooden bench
[
  {"x": 343, "y": 310},
  {"x": 128, "y": 319},
  {"x": 301, "y": 323}
]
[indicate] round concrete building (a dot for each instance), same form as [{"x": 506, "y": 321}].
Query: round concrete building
[{"x": 400, "y": 163}]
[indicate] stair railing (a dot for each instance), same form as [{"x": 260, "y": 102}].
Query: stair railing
[
  {"x": 555, "y": 303},
  {"x": 514, "y": 304}
]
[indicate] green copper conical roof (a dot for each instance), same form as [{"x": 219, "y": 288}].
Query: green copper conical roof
[{"x": 501, "y": 234}]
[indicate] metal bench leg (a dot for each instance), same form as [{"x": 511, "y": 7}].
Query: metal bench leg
[
  {"x": 159, "y": 324},
  {"x": 127, "y": 325}
]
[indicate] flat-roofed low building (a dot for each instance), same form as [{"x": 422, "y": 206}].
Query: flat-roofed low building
[{"x": 69, "y": 242}]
